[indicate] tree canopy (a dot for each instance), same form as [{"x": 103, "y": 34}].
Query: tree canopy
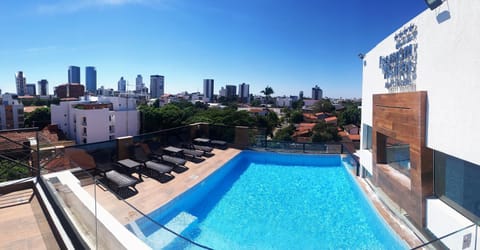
[
  {"x": 184, "y": 113},
  {"x": 323, "y": 105},
  {"x": 268, "y": 91},
  {"x": 323, "y": 132},
  {"x": 40, "y": 118}
]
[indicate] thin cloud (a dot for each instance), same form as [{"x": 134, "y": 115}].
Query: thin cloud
[{"x": 68, "y": 6}]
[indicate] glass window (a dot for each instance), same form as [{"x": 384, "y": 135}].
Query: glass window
[
  {"x": 367, "y": 135},
  {"x": 393, "y": 152},
  {"x": 457, "y": 183}
]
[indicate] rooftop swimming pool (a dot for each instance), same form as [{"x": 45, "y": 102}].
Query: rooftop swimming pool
[{"x": 272, "y": 201}]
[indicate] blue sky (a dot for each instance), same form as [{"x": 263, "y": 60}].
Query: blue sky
[{"x": 289, "y": 45}]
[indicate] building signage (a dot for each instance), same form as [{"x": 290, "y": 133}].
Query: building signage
[{"x": 400, "y": 67}]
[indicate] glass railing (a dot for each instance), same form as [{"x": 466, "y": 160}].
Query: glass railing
[
  {"x": 104, "y": 220},
  {"x": 463, "y": 238},
  {"x": 74, "y": 177},
  {"x": 298, "y": 147},
  {"x": 97, "y": 209}
]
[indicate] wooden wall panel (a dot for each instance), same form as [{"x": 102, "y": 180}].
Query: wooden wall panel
[{"x": 402, "y": 116}]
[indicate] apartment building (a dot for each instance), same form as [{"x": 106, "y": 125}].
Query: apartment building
[
  {"x": 102, "y": 119},
  {"x": 11, "y": 112}
]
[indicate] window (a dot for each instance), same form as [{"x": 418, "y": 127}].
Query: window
[
  {"x": 84, "y": 121},
  {"x": 367, "y": 135},
  {"x": 456, "y": 183},
  {"x": 84, "y": 131},
  {"x": 394, "y": 153}
]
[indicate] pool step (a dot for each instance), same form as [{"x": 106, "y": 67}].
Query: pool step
[
  {"x": 137, "y": 231},
  {"x": 163, "y": 238}
]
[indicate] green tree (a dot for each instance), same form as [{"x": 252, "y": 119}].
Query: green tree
[
  {"x": 296, "y": 117},
  {"x": 285, "y": 134},
  {"x": 170, "y": 116},
  {"x": 351, "y": 115},
  {"x": 297, "y": 104},
  {"x": 255, "y": 103},
  {"x": 323, "y": 105},
  {"x": 323, "y": 132},
  {"x": 12, "y": 171},
  {"x": 40, "y": 118},
  {"x": 269, "y": 122},
  {"x": 268, "y": 91}
]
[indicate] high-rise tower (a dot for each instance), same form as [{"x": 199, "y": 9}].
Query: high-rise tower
[
  {"x": 21, "y": 82},
  {"x": 73, "y": 74},
  {"x": 91, "y": 79},
  {"x": 208, "y": 85},
  {"x": 156, "y": 86}
]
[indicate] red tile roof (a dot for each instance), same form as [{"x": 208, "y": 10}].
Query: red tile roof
[
  {"x": 354, "y": 137},
  {"x": 29, "y": 109},
  {"x": 331, "y": 119}
]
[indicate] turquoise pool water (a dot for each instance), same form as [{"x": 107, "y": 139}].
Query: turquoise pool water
[{"x": 273, "y": 201}]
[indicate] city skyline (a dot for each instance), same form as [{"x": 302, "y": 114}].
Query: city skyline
[{"x": 291, "y": 48}]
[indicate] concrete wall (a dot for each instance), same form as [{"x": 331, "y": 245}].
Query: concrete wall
[{"x": 447, "y": 68}]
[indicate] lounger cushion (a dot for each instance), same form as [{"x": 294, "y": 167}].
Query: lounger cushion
[
  {"x": 174, "y": 160},
  {"x": 159, "y": 167},
  {"x": 218, "y": 142},
  {"x": 119, "y": 179},
  {"x": 203, "y": 148},
  {"x": 193, "y": 152}
]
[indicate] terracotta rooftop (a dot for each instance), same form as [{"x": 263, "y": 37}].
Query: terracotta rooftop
[
  {"x": 354, "y": 137},
  {"x": 29, "y": 109},
  {"x": 331, "y": 119}
]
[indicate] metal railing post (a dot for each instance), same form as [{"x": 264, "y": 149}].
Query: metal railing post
[{"x": 38, "y": 154}]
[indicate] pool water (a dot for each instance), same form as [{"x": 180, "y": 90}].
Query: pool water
[{"x": 274, "y": 201}]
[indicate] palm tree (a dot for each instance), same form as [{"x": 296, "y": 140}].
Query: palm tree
[{"x": 267, "y": 92}]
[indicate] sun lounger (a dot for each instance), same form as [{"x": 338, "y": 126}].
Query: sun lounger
[
  {"x": 215, "y": 143},
  {"x": 193, "y": 152},
  {"x": 157, "y": 153},
  {"x": 119, "y": 180},
  {"x": 140, "y": 155},
  {"x": 158, "y": 167},
  {"x": 219, "y": 143},
  {"x": 173, "y": 160}
]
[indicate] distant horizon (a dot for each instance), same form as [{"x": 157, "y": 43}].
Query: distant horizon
[{"x": 288, "y": 46}]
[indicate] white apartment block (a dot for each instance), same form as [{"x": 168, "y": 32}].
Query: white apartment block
[
  {"x": 284, "y": 101},
  {"x": 11, "y": 112},
  {"x": 88, "y": 121}
]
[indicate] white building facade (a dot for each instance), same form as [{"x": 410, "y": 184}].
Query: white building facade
[
  {"x": 11, "y": 112},
  {"x": 95, "y": 121},
  {"x": 419, "y": 141}
]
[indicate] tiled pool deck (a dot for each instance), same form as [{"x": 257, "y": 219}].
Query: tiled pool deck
[
  {"x": 152, "y": 194},
  {"x": 23, "y": 224}
]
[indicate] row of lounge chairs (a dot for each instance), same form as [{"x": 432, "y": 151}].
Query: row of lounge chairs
[{"x": 155, "y": 161}]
